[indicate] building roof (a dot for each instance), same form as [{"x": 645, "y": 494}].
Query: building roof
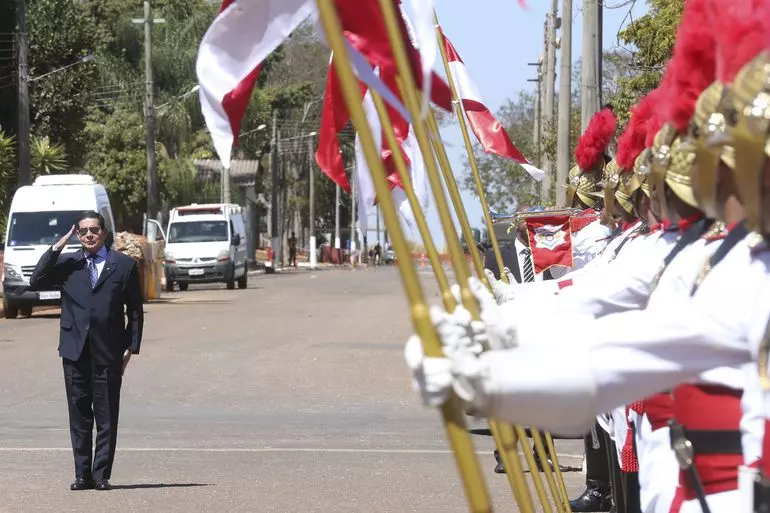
[{"x": 242, "y": 172}]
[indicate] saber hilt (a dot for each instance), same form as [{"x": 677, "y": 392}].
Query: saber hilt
[{"x": 685, "y": 456}]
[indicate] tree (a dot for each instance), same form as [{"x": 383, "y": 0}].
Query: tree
[
  {"x": 47, "y": 158},
  {"x": 61, "y": 32},
  {"x": 117, "y": 159},
  {"x": 650, "y": 41},
  {"x": 506, "y": 182}
]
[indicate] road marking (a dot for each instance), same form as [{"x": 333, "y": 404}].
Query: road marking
[{"x": 262, "y": 449}]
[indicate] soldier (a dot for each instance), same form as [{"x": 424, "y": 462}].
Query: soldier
[{"x": 670, "y": 341}]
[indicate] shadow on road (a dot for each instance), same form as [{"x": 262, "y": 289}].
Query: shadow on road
[{"x": 157, "y": 485}]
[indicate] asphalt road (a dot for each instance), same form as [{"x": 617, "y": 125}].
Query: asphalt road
[{"x": 290, "y": 396}]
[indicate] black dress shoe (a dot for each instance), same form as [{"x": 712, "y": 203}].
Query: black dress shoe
[
  {"x": 540, "y": 465},
  {"x": 499, "y": 468},
  {"x": 81, "y": 483},
  {"x": 592, "y": 499},
  {"x": 103, "y": 485}
]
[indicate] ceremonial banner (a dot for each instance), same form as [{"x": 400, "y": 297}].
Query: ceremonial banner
[
  {"x": 487, "y": 129},
  {"x": 231, "y": 53},
  {"x": 550, "y": 240}
]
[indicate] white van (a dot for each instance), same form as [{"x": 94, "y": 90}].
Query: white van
[
  {"x": 206, "y": 244},
  {"x": 40, "y": 215}
]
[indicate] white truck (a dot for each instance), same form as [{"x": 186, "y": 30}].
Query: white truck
[
  {"x": 206, "y": 244},
  {"x": 40, "y": 215}
]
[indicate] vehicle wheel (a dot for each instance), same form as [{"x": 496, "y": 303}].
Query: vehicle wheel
[
  {"x": 169, "y": 286},
  {"x": 243, "y": 281},
  {"x": 25, "y": 311},
  {"x": 183, "y": 286},
  {"x": 11, "y": 311}
]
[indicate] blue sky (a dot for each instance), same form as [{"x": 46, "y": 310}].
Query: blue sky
[{"x": 496, "y": 39}]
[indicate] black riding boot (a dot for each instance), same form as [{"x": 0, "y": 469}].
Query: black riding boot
[{"x": 597, "y": 495}]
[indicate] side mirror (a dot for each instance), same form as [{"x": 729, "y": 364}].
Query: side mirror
[{"x": 236, "y": 239}]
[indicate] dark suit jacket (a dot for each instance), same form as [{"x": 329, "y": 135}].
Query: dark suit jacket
[
  {"x": 96, "y": 314},
  {"x": 510, "y": 260}
]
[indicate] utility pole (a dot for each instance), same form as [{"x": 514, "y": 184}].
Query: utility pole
[
  {"x": 311, "y": 212},
  {"x": 337, "y": 242},
  {"x": 565, "y": 83},
  {"x": 25, "y": 174},
  {"x": 589, "y": 71},
  {"x": 599, "y": 50},
  {"x": 280, "y": 204},
  {"x": 537, "y": 118},
  {"x": 549, "y": 122},
  {"x": 353, "y": 218},
  {"x": 275, "y": 240},
  {"x": 377, "y": 210},
  {"x": 149, "y": 110}
]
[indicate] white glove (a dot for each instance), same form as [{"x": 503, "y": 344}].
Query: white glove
[
  {"x": 503, "y": 292},
  {"x": 431, "y": 377},
  {"x": 499, "y": 330},
  {"x": 462, "y": 342}
]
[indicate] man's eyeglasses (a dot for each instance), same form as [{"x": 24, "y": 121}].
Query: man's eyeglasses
[{"x": 96, "y": 230}]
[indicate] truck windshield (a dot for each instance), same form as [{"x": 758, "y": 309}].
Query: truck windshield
[
  {"x": 40, "y": 228},
  {"x": 198, "y": 231}
]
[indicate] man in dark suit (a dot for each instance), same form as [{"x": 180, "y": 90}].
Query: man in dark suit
[
  {"x": 517, "y": 257},
  {"x": 98, "y": 287}
]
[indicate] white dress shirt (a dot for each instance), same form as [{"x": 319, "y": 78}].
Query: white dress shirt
[
  {"x": 99, "y": 259},
  {"x": 524, "y": 255}
]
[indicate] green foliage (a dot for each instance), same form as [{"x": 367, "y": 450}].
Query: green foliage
[
  {"x": 183, "y": 186},
  {"x": 651, "y": 39},
  {"x": 46, "y": 158},
  {"x": 118, "y": 160},
  {"x": 60, "y": 34},
  {"x": 7, "y": 176}
]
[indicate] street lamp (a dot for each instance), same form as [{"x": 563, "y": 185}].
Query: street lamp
[
  {"x": 258, "y": 129},
  {"x": 180, "y": 97},
  {"x": 82, "y": 60},
  {"x": 311, "y": 134}
]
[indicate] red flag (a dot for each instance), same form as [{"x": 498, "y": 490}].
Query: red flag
[
  {"x": 334, "y": 117},
  {"x": 241, "y": 37},
  {"x": 364, "y": 27},
  {"x": 550, "y": 240},
  {"x": 488, "y": 130}
]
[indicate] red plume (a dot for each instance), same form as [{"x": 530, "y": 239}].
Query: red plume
[
  {"x": 633, "y": 140},
  {"x": 693, "y": 64},
  {"x": 739, "y": 33},
  {"x": 595, "y": 140}
]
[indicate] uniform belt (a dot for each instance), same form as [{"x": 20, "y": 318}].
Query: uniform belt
[{"x": 715, "y": 441}]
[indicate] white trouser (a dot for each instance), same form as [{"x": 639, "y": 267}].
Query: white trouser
[
  {"x": 746, "y": 477},
  {"x": 658, "y": 470},
  {"x": 725, "y": 502}
]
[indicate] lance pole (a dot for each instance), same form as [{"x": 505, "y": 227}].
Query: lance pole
[
  {"x": 471, "y": 157},
  {"x": 454, "y": 421},
  {"x": 498, "y": 257},
  {"x": 503, "y": 434},
  {"x": 465, "y": 225},
  {"x": 419, "y": 216},
  {"x": 454, "y": 195}
]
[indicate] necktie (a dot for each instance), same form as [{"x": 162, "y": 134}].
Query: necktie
[
  {"x": 528, "y": 274},
  {"x": 93, "y": 272}
]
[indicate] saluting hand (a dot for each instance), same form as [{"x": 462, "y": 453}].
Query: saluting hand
[{"x": 63, "y": 241}]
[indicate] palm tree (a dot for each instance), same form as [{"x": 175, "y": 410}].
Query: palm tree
[{"x": 46, "y": 158}]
